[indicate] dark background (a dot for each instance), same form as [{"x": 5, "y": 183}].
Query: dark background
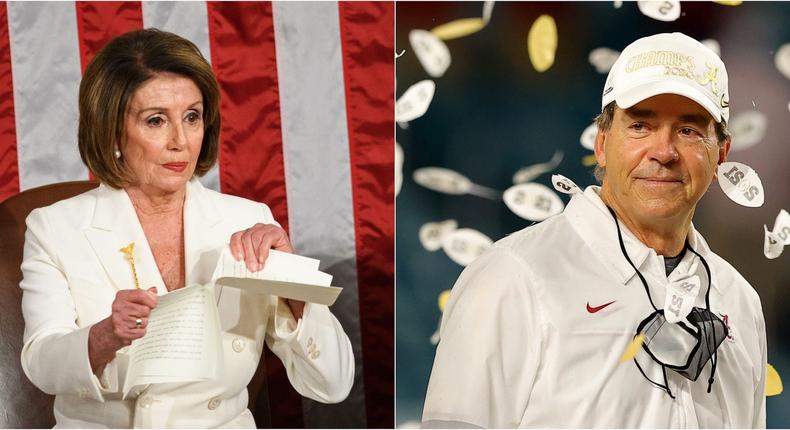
[{"x": 493, "y": 114}]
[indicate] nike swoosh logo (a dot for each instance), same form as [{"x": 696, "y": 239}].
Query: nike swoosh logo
[{"x": 595, "y": 309}]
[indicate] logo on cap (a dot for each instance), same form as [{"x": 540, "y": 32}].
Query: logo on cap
[{"x": 724, "y": 103}]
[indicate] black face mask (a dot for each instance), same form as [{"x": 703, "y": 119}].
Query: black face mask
[{"x": 680, "y": 347}]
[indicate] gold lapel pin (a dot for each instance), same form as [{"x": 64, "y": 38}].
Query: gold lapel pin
[{"x": 128, "y": 251}]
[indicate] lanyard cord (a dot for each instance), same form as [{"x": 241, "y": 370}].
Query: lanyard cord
[{"x": 714, "y": 349}]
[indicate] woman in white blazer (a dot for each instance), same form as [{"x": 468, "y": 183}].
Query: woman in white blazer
[{"x": 149, "y": 125}]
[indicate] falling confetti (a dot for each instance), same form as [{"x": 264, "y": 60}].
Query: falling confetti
[
  {"x": 603, "y": 59},
  {"x": 432, "y": 53},
  {"x": 532, "y": 201},
  {"x": 527, "y": 174},
  {"x": 398, "y": 55},
  {"x": 741, "y": 184},
  {"x": 633, "y": 348},
  {"x": 432, "y": 234},
  {"x": 773, "y": 383},
  {"x": 713, "y": 45},
  {"x": 464, "y": 245},
  {"x": 443, "y": 297},
  {"x": 728, "y": 2},
  {"x": 587, "y": 138},
  {"x": 451, "y": 182},
  {"x": 618, "y": 3},
  {"x": 747, "y": 129},
  {"x": 589, "y": 160},
  {"x": 415, "y": 101},
  {"x": 782, "y": 226},
  {"x": 666, "y": 10},
  {"x": 782, "y": 60},
  {"x": 542, "y": 43},
  {"x": 772, "y": 245},
  {"x": 564, "y": 185},
  {"x": 459, "y": 28}
]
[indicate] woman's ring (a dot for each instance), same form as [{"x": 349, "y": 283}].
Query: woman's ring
[{"x": 138, "y": 322}]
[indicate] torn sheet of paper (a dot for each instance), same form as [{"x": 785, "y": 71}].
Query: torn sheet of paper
[
  {"x": 542, "y": 43},
  {"x": 463, "y": 246},
  {"x": 564, "y": 185},
  {"x": 782, "y": 226},
  {"x": 451, "y": 182},
  {"x": 587, "y": 139},
  {"x": 432, "y": 234},
  {"x": 747, "y": 129},
  {"x": 772, "y": 245},
  {"x": 527, "y": 174},
  {"x": 415, "y": 101},
  {"x": 603, "y": 59},
  {"x": 398, "y": 168},
  {"x": 533, "y": 201},
  {"x": 741, "y": 184},
  {"x": 662, "y": 10},
  {"x": 432, "y": 53}
]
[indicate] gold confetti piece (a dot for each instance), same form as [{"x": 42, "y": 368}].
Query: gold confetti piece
[
  {"x": 728, "y": 2},
  {"x": 443, "y": 297},
  {"x": 589, "y": 160},
  {"x": 542, "y": 43},
  {"x": 633, "y": 348},
  {"x": 773, "y": 383},
  {"x": 128, "y": 251},
  {"x": 459, "y": 28}
]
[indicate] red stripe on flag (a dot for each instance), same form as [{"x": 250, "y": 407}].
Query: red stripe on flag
[
  {"x": 251, "y": 155},
  {"x": 366, "y": 30},
  {"x": 100, "y": 22},
  {"x": 9, "y": 163}
]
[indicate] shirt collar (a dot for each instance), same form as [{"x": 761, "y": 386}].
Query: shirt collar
[{"x": 590, "y": 217}]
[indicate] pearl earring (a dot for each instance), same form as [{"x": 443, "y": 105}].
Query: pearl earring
[{"x": 117, "y": 153}]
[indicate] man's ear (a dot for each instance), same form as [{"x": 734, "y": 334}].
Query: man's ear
[
  {"x": 600, "y": 148},
  {"x": 724, "y": 150}
]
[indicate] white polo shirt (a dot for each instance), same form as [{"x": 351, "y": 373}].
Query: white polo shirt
[{"x": 527, "y": 342}]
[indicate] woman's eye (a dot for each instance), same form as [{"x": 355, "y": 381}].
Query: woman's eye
[
  {"x": 155, "y": 121},
  {"x": 193, "y": 117}
]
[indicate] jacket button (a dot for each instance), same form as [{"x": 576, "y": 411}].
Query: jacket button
[
  {"x": 214, "y": 403},
  {"x": 315, "y": 354},
  {"x": 145, "y": 402},
  {"x": 309, "y": 341},
  {"x": 238, "y": 344}
]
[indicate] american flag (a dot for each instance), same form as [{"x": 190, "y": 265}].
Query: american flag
[{"x": 307, "y": 128}]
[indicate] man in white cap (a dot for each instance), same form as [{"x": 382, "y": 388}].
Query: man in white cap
[{"x": 615, "y": 313}]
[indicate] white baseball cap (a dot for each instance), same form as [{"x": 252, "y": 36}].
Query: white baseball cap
[{"x": 669, "y": 63}]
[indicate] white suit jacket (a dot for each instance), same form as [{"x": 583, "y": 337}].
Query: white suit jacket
[{"x": 72, "y": 270}]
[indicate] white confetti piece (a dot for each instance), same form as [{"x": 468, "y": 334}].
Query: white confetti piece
[
  {"x": 464, "y": 245},
  {"x": 415, "y": 101},
  {"x": 398, "y": 55},
  {"x": 713, "y": 45},
  {"x": 432, "y": 53},
  {"x": 741, "y": 184},
  {"x": 398, "y": 168},
  {"x": 488, "y": 8},
  {"x": 527, "y": 174},
  {"x": 782, "y": 60},
  {"x": 432, "y": 234},
  {"x": 666, "y": 10},
  {"x": 618, "y": 3},
  {"x": 442, "y": 180},
  {"x": 542, "y": 43},
  {"x": 532, "y": 201},
  {"x": 782, "y": 227},
  {"x": 772, "y": 246},
  {"x": 564, "y": 185},
  {"x": 587, "y": 139},
  {"x": 603, "y": 59},
  {"x": 747, "y": 129}
]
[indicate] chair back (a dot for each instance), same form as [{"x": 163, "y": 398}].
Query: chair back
[{"x": 23, "y": 405}]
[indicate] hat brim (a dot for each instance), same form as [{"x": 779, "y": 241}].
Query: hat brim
[{"x": 631, "y": 96}]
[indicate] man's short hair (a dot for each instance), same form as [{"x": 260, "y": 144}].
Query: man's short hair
[
  {"x": 604, "y": 122},
  {"x": 109, "y": 83}
]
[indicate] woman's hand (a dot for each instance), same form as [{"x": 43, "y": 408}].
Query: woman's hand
[
  {"x": 121, "y": 327},
  {"x": 252, "y": 245}
]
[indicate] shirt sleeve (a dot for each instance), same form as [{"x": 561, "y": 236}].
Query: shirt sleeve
[
  {"x": 315, "y": 351},
  {"x": 53, "y": 341},
  {"x": 490, "y": 346}
]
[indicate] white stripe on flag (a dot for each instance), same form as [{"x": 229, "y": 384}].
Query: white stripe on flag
[
  {"x": 46, "y": 61},
  {"x": 318, "y": 168},
  {"x": 190, "y": 21}
]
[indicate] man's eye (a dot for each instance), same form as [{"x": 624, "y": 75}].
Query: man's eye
[
  {"x": 638, "y": 126},
  {"x": 688, "y": 131},
  {"x": 155, "y": 121}
]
